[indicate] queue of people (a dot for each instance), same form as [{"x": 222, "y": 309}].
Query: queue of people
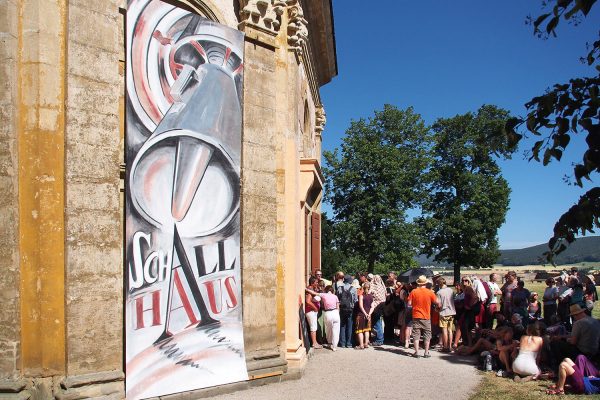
[{"x": 512, "y": 330}]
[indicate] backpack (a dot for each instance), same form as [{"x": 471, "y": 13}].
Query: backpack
[
  {"x": 488, "y": 291},
  {"x": 346, "y": 303}
]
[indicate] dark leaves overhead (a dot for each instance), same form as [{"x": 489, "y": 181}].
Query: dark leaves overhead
[{"x": 565, "y": 112}]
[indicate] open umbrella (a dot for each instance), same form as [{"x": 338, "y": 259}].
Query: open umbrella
[{"x": 413, "y": 274}]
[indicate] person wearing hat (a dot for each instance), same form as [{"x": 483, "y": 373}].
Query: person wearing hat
[
  {"x": 421, "y": 300},
  {"x": 584, "y": 338}
]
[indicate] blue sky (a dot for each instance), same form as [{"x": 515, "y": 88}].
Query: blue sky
[{"x": 450, "y": 57}]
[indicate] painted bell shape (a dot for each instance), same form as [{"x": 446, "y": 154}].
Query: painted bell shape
[
  {"x": 203, "y": 125},
  {"x": 209, "y": 106},
  {"x": 191, "y": 162}
]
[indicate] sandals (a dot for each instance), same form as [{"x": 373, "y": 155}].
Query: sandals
[
  {"x": 426, "y": 355},
  {"x": 555, "y": 391},
  {"x": 359, "y": 348},
  {"x": 415, "y": 355}
]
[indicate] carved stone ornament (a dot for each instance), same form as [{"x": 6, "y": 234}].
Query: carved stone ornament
[
  {"x": 297, "y": 26},
  {"x": 262, "y": 14},
  {"x": 320, "y": 120}
]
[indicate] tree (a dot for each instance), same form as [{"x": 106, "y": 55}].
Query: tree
[
  {"x": 565, "y": 110},
  {"x": 468, "y": 197},
  {"x": 372, "y": 182}
]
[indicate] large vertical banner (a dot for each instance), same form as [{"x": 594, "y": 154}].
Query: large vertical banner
[{"x": 183, "y": 304}]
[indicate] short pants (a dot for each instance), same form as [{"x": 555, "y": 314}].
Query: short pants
[
  {"x": 311, "y": 317},
  {"x": 447, "y": 322},
  {"x": 421, "y": 325}
]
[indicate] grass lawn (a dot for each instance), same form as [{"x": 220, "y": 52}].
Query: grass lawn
[
  {"x": 493, "y": 387},
  {"x": 539, "y": 288}
]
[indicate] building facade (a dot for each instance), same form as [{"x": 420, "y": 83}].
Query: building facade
[{"x": 64, "y": 280}]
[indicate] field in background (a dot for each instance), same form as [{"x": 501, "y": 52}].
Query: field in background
[{"x": 527, "y": 274}]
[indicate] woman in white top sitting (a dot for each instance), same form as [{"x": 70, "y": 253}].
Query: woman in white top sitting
[{"x": 525, "y": 365}]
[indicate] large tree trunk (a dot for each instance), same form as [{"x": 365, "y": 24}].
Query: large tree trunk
[
  {"x": 456, "y": 273},
  {"x": 371, "y": 264}
]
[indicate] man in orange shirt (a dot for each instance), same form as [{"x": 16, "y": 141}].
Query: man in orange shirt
[{"x": 421, "y": 300}]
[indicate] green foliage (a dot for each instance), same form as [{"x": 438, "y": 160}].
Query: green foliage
[
  {"x": 468, "y": 197},
  {"x": 559, "y": 115},
  {"x": 332, "y": 259},
  {"x": 371, "y": 183}
]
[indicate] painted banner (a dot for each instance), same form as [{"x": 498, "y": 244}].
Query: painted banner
[{"x": 183, "y": 309}]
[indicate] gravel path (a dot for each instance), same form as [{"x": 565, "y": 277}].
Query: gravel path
[{"x": 386, "y": 372}]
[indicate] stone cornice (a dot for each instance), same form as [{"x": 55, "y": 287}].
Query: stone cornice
[
  {"x": 262, "y": 15},
  {"x": 297, "y": 30}
]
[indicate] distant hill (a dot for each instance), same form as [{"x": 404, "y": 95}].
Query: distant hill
[
  {"x": 585, "y": 249},
  {"x": 425, "y": 261}
]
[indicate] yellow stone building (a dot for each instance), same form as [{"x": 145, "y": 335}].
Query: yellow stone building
[{"x": 62, "y": 174}]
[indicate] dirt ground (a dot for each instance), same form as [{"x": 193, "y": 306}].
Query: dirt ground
[{"x": 386, "y": 372}]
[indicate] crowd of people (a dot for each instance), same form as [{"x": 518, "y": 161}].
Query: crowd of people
[{"x": 511, "y": 329}]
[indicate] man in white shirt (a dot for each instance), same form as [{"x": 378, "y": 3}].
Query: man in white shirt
[
  {"x": 493, "y": 303},
  {"x": 482, "y": 295}
]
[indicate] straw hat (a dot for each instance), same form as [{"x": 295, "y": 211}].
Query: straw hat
[
  {"x": 422, "y": 280},
  {"x": 576, "y": 309}
]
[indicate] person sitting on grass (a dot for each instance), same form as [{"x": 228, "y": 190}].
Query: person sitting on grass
[
  {"x": 581, "y": 375},
  {"x": 516, "y": 322},
  {"x": 556, "y": 327},
  {"x": 526, "y": 365},
  {"x": 584, "y": 338},
  {"x": 490, "y": 340},
  {"x": 500, "y": 319},
  {"x": 506, "y": 353}
]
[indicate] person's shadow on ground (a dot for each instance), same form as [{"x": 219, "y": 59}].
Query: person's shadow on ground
[{"x": 450, "y": 357}]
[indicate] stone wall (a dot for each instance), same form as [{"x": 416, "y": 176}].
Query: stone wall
[
  {"x": 61, "y": 256},
  {"x": 94, "y": 257},
  {"x": 259, "y": 214},
  {"x": 9, "y": 264}
]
